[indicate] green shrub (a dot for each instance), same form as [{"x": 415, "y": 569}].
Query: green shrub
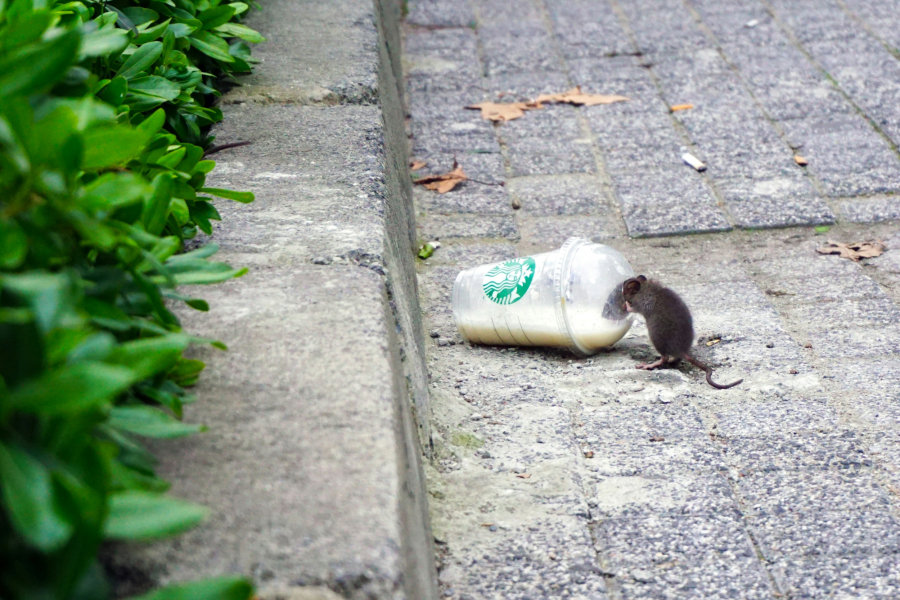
[{"x": 103, "y": 114}]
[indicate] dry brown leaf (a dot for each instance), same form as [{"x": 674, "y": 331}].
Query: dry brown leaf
[
  {"x": 589, "y": 454},
  {"x": 443, "y": 183},
  {"x": 854, "y": 251},
  {"x": 578, "y": 98},
  {"x": 524, "y": 476},
  {"x": 503, "y": 111},
  {"x": 678, "y": 107},
  {"x": 417, "y": 164},
  {"x": 657, "y": 439},
  {"x": 800, "y": 160}
]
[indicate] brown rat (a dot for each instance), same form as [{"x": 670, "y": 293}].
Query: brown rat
[{"x": 669, "y": 324}]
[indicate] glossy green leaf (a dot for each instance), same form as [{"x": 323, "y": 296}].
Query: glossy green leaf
[
  {"x": 111, "y": 145},
  {"x": 37, "y": 67},
  {"x": 48, "y": 295},
  {"x": 186, "y": 372},
  {"x": 153, "y": 32},
  {"x": 205, "y": 277},
  {"x": 28, "y": 496},
  {"x": 103, "y": 42},
  {"x": 137, "y": 515},
  {"x": 240, "y": 31},
  {"x": 156, "y": 207},
  {"x": 149, "y": 92},
  {"x": 122, "y": 19},
  {"x": 149, "y": 356},
  {"x": 243, "y": 197},
  {"x": 141, "y": 60},
  {"x": 214, "y": 17},
  {"x": 13, "y": 244},
  {"x": 211, "y": 45},
  {"x": 73, "y": 388},
  {"x": 140, "y": 15},
  {"x": 224, "y": 588},
  {"x": 148, "y": 421},
  {"x": 26, "y": 30},
  {"x": 114, "y": 92},
  {"x": 239, "y": 7}
]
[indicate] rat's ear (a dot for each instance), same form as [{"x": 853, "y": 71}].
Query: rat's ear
[
  {"x": 641, "y": 278},
  {"x": 632, "y": 286}
]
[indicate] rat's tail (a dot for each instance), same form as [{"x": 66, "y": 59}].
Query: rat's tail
[{"x": 709, "y": 371}]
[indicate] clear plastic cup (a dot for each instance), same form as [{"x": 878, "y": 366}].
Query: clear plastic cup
[{"x": 569, "y": 298}]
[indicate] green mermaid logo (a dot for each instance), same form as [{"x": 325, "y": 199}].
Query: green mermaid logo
[{"x": 507, "y": 282}]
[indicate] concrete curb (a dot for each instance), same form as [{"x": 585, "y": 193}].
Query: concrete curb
[{"x": 318, "y": 413}]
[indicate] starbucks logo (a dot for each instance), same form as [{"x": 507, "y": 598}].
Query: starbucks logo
[{"x": 507, "y": 283}]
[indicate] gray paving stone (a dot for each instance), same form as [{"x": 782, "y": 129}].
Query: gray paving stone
[
  {"x": 848, "y": 314},
  {"x": 437, "y": 227},
  {"x": 553, "y": 121},
  {"x": 824, "y": 288},
  {"x": 680, "y": 34},
  {"x": 545, "y": 560},
  {"x": 738, "y": 294},
  {"x": 501, "y": 11},
  {"x": 707, "y": 556},
  {"x": 883, "y": 372},
  {"x": 472, "y": 255},
  {"x": 846, "y": 154},
  {"x": 793, "y": 99},
  {"x": 641, "y": 494},
  {"x": 630, "y": 150},
  {"x": 880, "y": 16},
  {"x": 776, "y": 202},
  {"x": 437, "y": 13},
  {"x": 446, "y": 107},
  {"x": 449, "y": 138},
  {"x": 516, "y": 46},
  {"x": 832, "y": 533},
  {"x": 871, "y": 210},
  {"x": 810, "y": 267},
  {"x": 586, "y": 29},
  {"x": 782, "y": 416},
  {"x": 690, "y": 271},
  {"x": 838, "y": 450},
  {"x": 467, "y": 198},
  {"x": 441, "y": 60},
  {"x": 816, "y": 21},
  {"x": 882, "y": 411},
  {"x": 668, "y": 202},
  {"x": 641, "y": 457},
  {"x": 559, "y": 195},
  {"x": 750, "y": 350},
  {"x": 856, "y": 343},
  {"x": 528, "y": 85},
  {"x": 554, "y": 231},
  {"x": 876, "y": 577},
  {"x": 485, "y": 167},
  {"x": 780, "y": 492},
  {"x": 644, "y": 422},
  {"x": 542, "y": 156}
]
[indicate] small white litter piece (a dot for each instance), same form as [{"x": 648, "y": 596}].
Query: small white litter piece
[
  {"x": 693, "y": 161},
  {"x": 751, "y": 24}
]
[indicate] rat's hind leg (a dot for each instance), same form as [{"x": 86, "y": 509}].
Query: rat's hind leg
[{"x": 650, "y": 366}]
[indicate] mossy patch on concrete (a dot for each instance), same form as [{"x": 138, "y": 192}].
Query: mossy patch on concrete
[{"x": 466, "y": 440}]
